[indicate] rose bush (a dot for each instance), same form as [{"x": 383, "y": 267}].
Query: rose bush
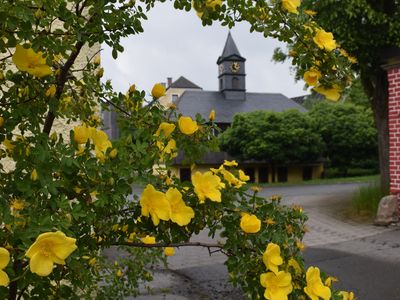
[{"x": 67, "y": 196}]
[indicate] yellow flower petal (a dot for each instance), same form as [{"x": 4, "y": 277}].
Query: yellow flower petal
[
  {"x": 272, "y": 257},
  {"x": 155, "y": 203},
  {"x": 41, "y": 264},
  {"x": 4, "y": 280},
  {"x": 180, "y": 212},
  {"x": 4, "y": 257}
]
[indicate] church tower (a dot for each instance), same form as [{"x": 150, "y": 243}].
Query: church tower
[{"x": 231, "y": 72}]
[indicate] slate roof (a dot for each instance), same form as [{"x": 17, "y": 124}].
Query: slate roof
[
  {"x": 184, "y": 83},
  {"x": 192, "y": 102},
  {"x": 230, "y": 50}
]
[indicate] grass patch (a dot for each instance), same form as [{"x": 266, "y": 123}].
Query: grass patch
[
  {"x": 369, "y": 178},
  {"x": 366, "y": 199}
]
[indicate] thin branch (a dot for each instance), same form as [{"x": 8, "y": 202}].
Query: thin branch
[{"x": 161, "y": 245}]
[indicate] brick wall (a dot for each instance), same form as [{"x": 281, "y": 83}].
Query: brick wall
[{"x": 394, "y": 128}]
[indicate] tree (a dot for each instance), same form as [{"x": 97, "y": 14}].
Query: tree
[
  {"x": 66, "y": 195},
  {"x": 365, "y": 29},
  {"x": 348, "y": 132},
  {"x": 277, "y": 137}
]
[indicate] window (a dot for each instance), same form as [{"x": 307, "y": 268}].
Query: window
[
  {"x": 220, "y": 84},
  {"x": 185, "y": 174},
  {"x": 235, "y": 83},
  {"x": 174, "y": 97}
]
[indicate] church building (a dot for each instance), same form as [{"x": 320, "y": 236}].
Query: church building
[{"x": 231, "y": 98}]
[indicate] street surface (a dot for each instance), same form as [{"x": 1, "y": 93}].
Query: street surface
[{"x": 364, "y": 257}]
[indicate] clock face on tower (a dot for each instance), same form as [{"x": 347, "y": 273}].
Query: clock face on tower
[{"x": 235, "y": 67}]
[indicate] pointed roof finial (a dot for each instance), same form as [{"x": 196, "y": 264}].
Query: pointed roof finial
[{"x": 230, "y": 49}]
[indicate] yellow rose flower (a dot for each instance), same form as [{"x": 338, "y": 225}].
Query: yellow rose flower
[
  {"x": 165, "y": 129},
  {"x": 312, "y": 76},
  {"x": 158, "y": 90},
  {"x": 277, "y": 286},
  {"x": 250, "y": 223},
  {"x": 243, "y": 176},
  {"x": 97, "y": 60},
  {"x": 119, "y": 273},
  {"x": 51, "y": 91},
  {"x": 49, "y": 248},
  {"x": 81, "y": 134},
  {"x": 291, "y": 5},
  {"x": 169, "y": 251},
  {"x": 324, "y": 40},
  {"x": 100, "y": 140},
  {"x": 332, "y": 93},
  {"x": 181, "y": 214},
  {"x": 347, "y": 295},
  {"x": 100, "y": 73},
  {"x": 155, "y": 204},
  {"x": 29, "y": 61},
  {"x": 187, "y": 125},
  {"x": 34, "y": 175},
  {"x": 315, "y": 289},
  {"x": 4, "y": 260},
  {"x": 148, "y": 240},
  {"x": 272, "y": 257},
  {"x": 211, "y": 116},
  {"x": 207, "y": 185}
]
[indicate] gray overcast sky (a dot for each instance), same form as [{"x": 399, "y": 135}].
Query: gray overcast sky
[{"x": 174, "y": 43}]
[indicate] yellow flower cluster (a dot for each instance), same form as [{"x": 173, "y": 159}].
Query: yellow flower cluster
[
  {"x": 312, "y": 76},
  {"x": 229, "y": 177},
  {"x": 99, "y": 138},
  {"x": 278, "y": 284},
  {"x": 165, "y": 206},
  {"x": 324, "y": 40},
  {"x": 332, "y": 93},
  {"x": 27, "y": 60},
  {"x": 165, "y": 130}
]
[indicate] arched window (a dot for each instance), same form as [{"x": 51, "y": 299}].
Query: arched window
[
  {"x": 235, "y": 83},
  {"x": 220, "y": 84}
]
